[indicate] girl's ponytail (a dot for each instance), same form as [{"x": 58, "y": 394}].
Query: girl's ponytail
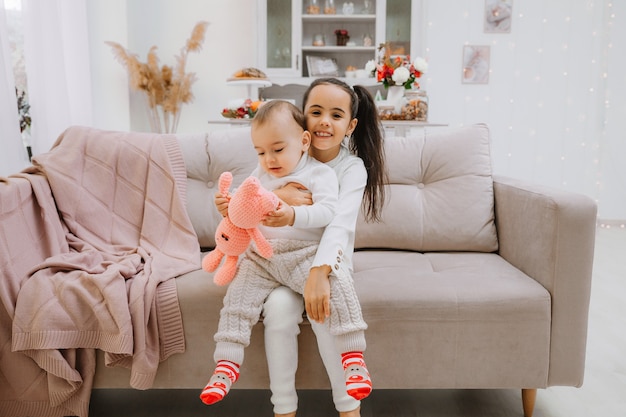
[{"x": 367, "y": 143}]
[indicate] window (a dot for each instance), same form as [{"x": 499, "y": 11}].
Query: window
[{"x": 15, "y": 28}]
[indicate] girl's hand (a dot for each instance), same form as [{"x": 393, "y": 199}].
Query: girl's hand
[
  {"x": 284, "y": 215},
  {"x": 294, "y": 194},
  {"x": 221, "y": 202},
  {"x": 317, "y": 293}
]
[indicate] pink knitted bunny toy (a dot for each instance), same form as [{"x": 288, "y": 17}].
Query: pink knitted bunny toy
[{"x": 246, "y": 209}]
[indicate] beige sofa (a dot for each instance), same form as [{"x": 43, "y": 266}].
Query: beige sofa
[{"x": 470, "y": 281}]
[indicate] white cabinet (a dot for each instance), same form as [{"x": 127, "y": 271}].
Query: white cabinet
[{"x": 297, "y": 38}]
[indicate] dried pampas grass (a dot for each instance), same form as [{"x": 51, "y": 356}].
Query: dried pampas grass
[{"x": 167, "y": 88}]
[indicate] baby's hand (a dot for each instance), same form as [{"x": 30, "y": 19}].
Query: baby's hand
[
  {"x": 284, "y": 215},
  {"x": 221, "y": 202}
]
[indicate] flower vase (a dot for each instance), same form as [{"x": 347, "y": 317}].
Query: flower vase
[
  {"x": 342, "y": 40},
  {"x": 395, "y": 97}
]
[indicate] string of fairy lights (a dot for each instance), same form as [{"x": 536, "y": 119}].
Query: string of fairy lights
[
  {"x": 599, "y": 98},
  {"x": 574, "y": 158}
]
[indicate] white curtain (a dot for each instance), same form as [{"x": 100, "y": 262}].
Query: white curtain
[
  {"x": 56, "y": 49},
  {"x": 13, "y": 155}
]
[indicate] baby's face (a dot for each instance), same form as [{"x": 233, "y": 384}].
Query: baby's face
[{"x": 279, "y": 144}]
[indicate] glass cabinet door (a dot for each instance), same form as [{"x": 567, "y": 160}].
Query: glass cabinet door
[
  {"x": 279, "y": 54},
  {"x": 398, "y": 26},
  {"x": 404, "y": 26}
]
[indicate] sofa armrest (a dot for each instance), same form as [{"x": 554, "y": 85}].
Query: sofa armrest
[{"x": 549, "y": 235}]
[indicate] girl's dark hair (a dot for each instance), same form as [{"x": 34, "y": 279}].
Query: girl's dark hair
[{"x": 366, "y": 142}]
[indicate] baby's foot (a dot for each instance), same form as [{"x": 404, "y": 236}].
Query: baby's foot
[{"x": 225, "y": 375}]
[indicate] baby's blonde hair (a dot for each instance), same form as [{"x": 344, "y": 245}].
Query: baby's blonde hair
[{"x": 270, "y": 108}]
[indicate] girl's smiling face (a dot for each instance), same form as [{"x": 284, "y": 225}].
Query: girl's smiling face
[{"x": 328, "y": 119}]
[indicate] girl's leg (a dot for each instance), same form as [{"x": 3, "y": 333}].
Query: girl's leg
[
  {"x": 354, "y": 413},
  {"x": 344, "y": 403},
  {"x": 347, "y": 325},
  {"x": 282, "y": 315}
]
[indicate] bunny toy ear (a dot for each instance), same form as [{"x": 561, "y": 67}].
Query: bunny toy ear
[
  {"x": 251, "y": 184},
  {"x": 226, "y": 179}
]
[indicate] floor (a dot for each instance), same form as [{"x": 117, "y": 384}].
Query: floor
[{"x": 602, "y": 395}]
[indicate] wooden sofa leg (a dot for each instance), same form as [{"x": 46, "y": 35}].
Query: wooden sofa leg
[{"x": 529, "y": 396}]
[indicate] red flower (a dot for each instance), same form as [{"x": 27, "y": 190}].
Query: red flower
[
  {"x": 245, "y": 111},
  {"x": 388, "y": 65}
]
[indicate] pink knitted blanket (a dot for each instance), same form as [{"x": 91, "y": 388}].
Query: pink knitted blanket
[{"x": 117, "y": 232}]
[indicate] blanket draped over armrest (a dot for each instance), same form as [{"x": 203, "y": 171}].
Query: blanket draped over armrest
[{"x": 120, "y": 199}]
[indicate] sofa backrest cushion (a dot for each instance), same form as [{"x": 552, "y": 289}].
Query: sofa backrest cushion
[
  {"x": 440, "y": 194},
  {"x": 439, "y": 197},
  {"x": 206, "y": 157}
]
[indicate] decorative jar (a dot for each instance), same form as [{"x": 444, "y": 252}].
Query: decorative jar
[
  {"x": 313, "y": 7},
  {"x": 318, "y": 40},
  {"x": 416, "y": 107},
  {"x": 367, "y": 40},
  {"x": 329, "y": 7}
]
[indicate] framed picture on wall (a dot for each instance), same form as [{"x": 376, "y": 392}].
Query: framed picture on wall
[
  {"x": 498, "y": 15},
  {"x": 476, "y": 64}
]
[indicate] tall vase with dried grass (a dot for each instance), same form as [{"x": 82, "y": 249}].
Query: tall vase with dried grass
[{"x": 166, "y": 88}]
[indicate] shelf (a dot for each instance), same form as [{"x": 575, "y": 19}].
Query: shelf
[
  {"x": 410, "y": 123},
  {"x": 406, "y": 128},
  {"x": 249, "y": 83},
  {"x": 257, "y": 82},
  {"x": 287, "y": 34},
  {"x": 336, "y": 17},
  {"x": 359, "y": 26},
  {"x": 338, "y": 48},
  {"x": 226, "y": 121},
  {"x": 369, "y": 81}
]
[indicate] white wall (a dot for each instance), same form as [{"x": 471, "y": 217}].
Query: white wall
[
  {"x": 139, "y": 24},
  {"x": 555, "y": 102},
  {"x": 107, "y": 22},
  {"x": 545, "y": 101}
]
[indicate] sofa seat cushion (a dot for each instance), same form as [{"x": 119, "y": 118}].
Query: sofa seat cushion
[
  {"x": 440, "y": 194},
  {"x": 474, "y": 311},
  {"x": 446, "y": 286}
]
